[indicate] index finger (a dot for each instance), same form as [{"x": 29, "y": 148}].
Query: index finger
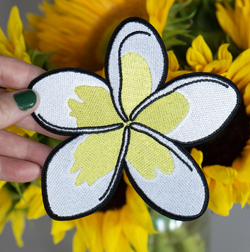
[{"x": 17, "y": 74}]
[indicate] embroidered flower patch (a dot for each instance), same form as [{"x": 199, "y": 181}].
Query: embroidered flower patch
[{"x": 131, "y": 119}]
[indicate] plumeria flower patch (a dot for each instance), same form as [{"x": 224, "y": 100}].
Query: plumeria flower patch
[{"x": 130, "y": 120}]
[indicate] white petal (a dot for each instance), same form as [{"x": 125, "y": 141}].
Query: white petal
[
  {"x": 64, "y": 200},
  {"x": 55, "y": 89},
  {"x": 213, "y": 101},
  {"x": 137, "y": 36},
  {"x": 181, "y": 195}
]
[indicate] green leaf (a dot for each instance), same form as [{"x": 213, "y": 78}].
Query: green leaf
[
  {"x": 14, "y": 195},
  {"x": 36, "y": 183},
  {"x": 40, "y": 59},
  {"x": 178, "y": 26},
  {"x": 52, "y": 142},
  {"x": 233, "y": 48},
  {"x": 20, "y": 189}
]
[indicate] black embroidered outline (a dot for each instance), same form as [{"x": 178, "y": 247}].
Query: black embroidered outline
[
  {"x": 109, "y": 48},
  {"x": 120, "y": 71},
  {"x": 126, "y": 135},
  {"x": 110, "y": 190},
  {"x": 152, "y": 203},
  {"x": 65, "y": 131},
  {"x": 66, "y": 69}
]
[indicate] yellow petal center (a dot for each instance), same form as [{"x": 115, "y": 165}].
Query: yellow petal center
[
  {"x": 146, "y": 155},
  {"x": 164, "y": 114},
  {"x": 136, "y": 81},
  {"x": 96, "y": 109},
  {"x": 97, "y": 156}
]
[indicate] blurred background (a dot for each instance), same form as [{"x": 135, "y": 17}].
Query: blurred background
[{"x": 227, "y": 234}]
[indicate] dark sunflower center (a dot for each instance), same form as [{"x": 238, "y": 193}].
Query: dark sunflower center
[
  {"x": 118, "y": 200},
  {"x": 225, "y": 147}
]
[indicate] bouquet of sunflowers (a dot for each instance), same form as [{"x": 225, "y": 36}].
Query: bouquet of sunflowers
[{"x": 75, "y": 33}]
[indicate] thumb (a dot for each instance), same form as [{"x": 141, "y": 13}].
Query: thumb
[{"x": 14, "y": 106}]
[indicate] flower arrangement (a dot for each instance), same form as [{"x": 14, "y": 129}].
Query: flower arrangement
[{"x": 75, "y": 33}]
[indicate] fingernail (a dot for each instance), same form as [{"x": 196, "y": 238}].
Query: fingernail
[{"x": 25, "y": 99}]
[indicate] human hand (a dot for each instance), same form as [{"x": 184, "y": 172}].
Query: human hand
[{"x": 21, "y": 159}]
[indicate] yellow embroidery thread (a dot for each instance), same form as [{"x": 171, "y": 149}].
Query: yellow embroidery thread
[
  {"x": 146, "y": 155},
  {"x": 96, "y": 109},
  {"x": 136, "y": 81},
  {"x": 94, "y": 158},
  {"x": 163, "y": 120}
]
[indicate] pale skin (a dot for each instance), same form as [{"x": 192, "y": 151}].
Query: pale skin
[{"x": 21, "y": 159}]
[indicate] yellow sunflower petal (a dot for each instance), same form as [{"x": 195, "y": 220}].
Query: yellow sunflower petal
[
  {"x": 241, "y": 165},
  {"x": 16, "y": 130},
  {"x": 111, "y": 228},
  {"x": 173, "y": 66},
  {"x": 158, "y": 12},
  {"x": 16, "y": 44},
  {"x": 137, "y": 210},
  {"x": 137, "y": 236},
  {"x": 226, "y": 20},
  {"x": 3, "y": 40},
  {"x": 246, "y": 99},
  {"x": 164, "y": 114},
  {"x": 2, "y": 183},
  {"x": 241, "y": 192},
  {"x": 221, "y": 65},
  {"x": 220, "y": 173},
  {"x": 78, "y": 242},
  {"x": 220, "y": 198},
  {"x": 92, "y": 23},
  {"x": 172, "y": 61},
  {"x": 223, "y": 53},
  {"x": 235, "y": 22},
  {"x": 238, "y": 70},
  {"x": 197, "y": 156},
  {"x": 5, "y": 204},
  {"x": 90, "y": 228},
  {"x": 17, "y": 218},
  {"x": 32, "y": 199},
  {"x": 124, "y": 245},
  {"x": 59, "y": 229},
  {"x": 199, "y": 55},
  {"x": 126, "y": 179}
]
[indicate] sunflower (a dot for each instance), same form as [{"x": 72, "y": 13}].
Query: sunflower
[
  {"x": 16, "y": 217},
  {"x": 125, "y": 218},
  {"x": 79, "y": 30},
  {"x": 225, "y": 159},
  {"x": 122, "y": 223},
  {"x": 15, "y": 47},
  {"x": 16, "y": 209},
  {"x": 235, "y": 22}
]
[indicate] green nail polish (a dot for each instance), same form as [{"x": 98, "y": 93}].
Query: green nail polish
[{"x": 25, "y": 99}]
